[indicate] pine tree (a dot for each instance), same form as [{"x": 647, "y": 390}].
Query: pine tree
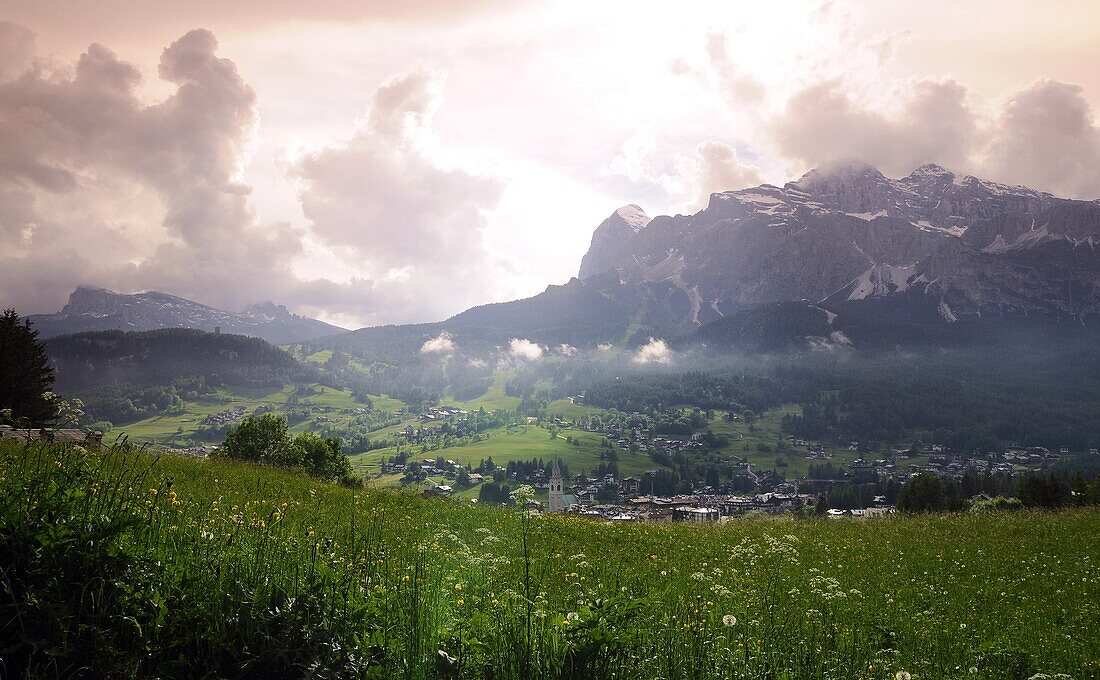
[{"x": 26, "y": 376}]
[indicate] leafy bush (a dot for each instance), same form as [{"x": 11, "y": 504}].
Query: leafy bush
[{"x": 265, "y": 439}]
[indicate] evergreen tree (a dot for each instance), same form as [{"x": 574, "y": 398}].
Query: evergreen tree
[{"x": 26, "y": 376}]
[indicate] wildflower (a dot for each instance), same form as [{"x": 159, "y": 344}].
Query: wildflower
[
  {"x": 458, "y": 587},
  {"x": 729, "y": 620},
  {"x": 902, "y": 675}
]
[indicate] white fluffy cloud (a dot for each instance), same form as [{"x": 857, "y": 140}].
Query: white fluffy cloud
[
  {"x": 441, "y": 344},
  {"x": 1046, "y": 136},
  {"x": 386, "y": 195},
  {"x": 934, "y": 123},
  {"x": 524, "y": 349},
  {"x": 567, "y": 350},
  {"x": 717, "y": 168},
  {"x": 655, "y": 351}
]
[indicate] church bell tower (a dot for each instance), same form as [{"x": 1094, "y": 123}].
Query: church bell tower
[{"x": 557, "y": 500}]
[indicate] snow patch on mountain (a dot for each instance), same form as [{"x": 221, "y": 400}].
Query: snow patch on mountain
[
  {"x": 925, "y": 225},
  {"x": 881, "y": 280},
  {"x": 946, "y": 312},
  {"x": 634, "y": 216},
  {"x": 868, "y": 216}
]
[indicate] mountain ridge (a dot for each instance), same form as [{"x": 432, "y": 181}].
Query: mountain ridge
[
  {"x": 981, "y": 246},
  {"x": 91, "y": 308}
]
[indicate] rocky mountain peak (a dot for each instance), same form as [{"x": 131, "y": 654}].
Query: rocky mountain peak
[
  {"x": 268, "y": 311},
  {"x": 851, "y": 186},
  {"x": 611, "y": 239},
  {"x": 931, "y": 170},
  {"x": 93, "y": 300},
  {"x": 633, "y": 215}
]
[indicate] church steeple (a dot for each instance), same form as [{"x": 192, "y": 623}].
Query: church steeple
[{"x": 557, "y": 499}]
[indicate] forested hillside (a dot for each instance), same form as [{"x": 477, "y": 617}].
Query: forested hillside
[{"x": 121, "y": 376}]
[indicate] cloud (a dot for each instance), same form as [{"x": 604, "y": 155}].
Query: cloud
[
  {"x": 16, "y": 49},
  {"x": 822, "y": 124},
  {"x": 113, "y": 17},
  {"x": 737, "y": 86},
  {"x": 716, "y": 168},
  {"x": 440, "y": 344},
  {"x": 387, "y": 196},
  {"x": 85, "y": 164},
  {"x": 836, "y": 341},
  {"x": 1046, "y": 137},
  {"x": 99, "y": 187},
  {"x": 605, "y": 347},
  {"x": 566, "y": 350},
  {"x": 691, "y": 178},
  {"x": 525, "y": 349},
  {"x": 653, "y": 352}
]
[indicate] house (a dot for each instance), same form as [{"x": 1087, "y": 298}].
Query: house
[
  {"x": 441, "y": 490},
  {"x": 685, "y": 513}
]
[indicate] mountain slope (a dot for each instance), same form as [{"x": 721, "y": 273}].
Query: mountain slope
[
  {"x": 85, "y": 360},
  {"x": 97, "y": 309}
]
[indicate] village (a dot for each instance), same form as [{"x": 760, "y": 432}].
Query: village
[
  {"x": 747, "y": 489},
  {"x": 737, "y": 483}
]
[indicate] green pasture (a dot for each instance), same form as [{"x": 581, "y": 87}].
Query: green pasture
[{"x": 228, "y": 569}]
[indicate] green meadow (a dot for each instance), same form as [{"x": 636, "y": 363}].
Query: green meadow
[
  {"x": 520, "y": 443},
  {"x": 177, "y": 567},
  {"x": 177, "y": 428}
]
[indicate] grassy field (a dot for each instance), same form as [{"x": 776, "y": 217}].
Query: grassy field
[
  {"x": 192, "y": 568},
  {"x": 566, "y": 409},
  {"x": 521, "y": 443},
  {"x": 765, "y": 430},
  {"x": 177, "y": 429},
  {"x": 493, "y": 399}
]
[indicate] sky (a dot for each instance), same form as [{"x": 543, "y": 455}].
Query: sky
[{"x": 374, "y": 162}]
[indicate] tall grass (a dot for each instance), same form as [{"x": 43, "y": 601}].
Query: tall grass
[{"x": 113, "y": 563}]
